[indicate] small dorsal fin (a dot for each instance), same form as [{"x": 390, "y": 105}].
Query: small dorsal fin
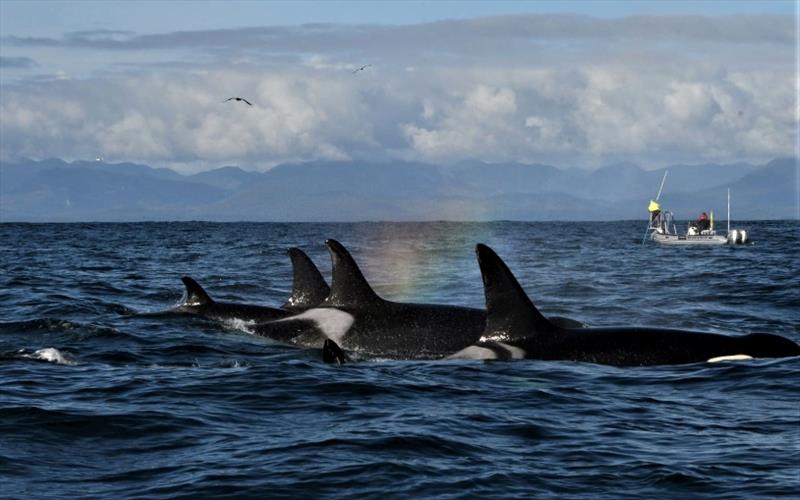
[
  {"x": 348, "y": 285},
  {"x": 195, "y": 295},
  {"x": 309, "y": 287},
  {"x": 510, "y": 313}
]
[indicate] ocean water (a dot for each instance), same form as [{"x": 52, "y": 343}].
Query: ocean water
[{"x": 99, "y": 400}]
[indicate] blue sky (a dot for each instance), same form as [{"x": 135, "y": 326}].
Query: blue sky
[{"x": 567, "y": 83}]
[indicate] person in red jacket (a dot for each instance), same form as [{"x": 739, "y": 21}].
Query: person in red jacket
[{"x": 702, "y": 222}]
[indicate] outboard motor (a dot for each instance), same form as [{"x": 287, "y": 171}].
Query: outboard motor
[
  {"x": 742, "y": 236},
  {"x": 733, "y": 237}
]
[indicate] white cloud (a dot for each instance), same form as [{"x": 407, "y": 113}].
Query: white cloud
[
  {"x": 487, "y": 101},
  {"x": 185, "y": 121},
  {"x": 561, "y": 89},
  {"x": 691, "y": 101},
  {"x": 468, "y": 125}
]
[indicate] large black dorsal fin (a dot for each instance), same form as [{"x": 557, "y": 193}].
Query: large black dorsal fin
[
  {"x": 308, "y": 287},
  {"x": 510, "y": 313},
  {"x": 195, "y": 295},
  {"x": 348, "y": 286}
]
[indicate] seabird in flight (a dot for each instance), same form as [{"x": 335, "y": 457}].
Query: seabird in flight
[
  {"x": 238, "y": 99},
  {"x": 362, "y": 68}
]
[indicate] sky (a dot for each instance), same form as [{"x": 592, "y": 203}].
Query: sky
[{"x": 564, "y": 83}]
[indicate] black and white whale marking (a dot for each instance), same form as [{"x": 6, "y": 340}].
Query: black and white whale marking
[
  {"x": 357, "y": 319},
  {"x": 516, "y": 329},
  {"x": 361, "y": 322},
  {"x": 199, "y": 303},
  {"x": 308, "y": 289}
]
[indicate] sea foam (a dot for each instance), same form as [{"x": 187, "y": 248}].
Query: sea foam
[{"x": 50, "y": 355}]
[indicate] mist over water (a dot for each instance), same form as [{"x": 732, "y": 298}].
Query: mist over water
[{"x": 99, "y": 400}]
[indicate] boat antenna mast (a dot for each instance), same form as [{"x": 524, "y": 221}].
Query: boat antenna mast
[
  {"x": 729, "y": 210},
  {"x": 660, "y": 188}
]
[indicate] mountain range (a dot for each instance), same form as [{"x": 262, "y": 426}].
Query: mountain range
[{"x": 58, "y": 191}]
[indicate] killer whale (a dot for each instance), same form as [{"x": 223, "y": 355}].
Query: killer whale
[
  {"x": 308, "y": 289},
  {"x": 366, "y": 325},
  {"x": 516, "y": 329},
  {"x": 199, "y": 303}
]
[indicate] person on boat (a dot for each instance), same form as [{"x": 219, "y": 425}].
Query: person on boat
[
  {"x": 655, "y": 214},
  {"x": 702, "y": 222}
]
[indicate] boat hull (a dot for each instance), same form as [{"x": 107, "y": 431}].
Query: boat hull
[{"x": 700, "y": 239}]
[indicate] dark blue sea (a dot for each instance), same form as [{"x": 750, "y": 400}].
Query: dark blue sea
[{"x": 98, "y": 400}]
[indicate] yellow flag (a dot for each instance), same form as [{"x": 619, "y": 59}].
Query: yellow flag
[
  {"x": 653, "y": 206},
  {"x": 712, "y": 221}
]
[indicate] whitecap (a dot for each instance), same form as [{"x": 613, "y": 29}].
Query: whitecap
[{"x": 50, "y": 355}]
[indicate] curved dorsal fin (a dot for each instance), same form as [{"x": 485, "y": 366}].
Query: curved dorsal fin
[
  {"x": 348, "y": 285},
  {"x": 195, "y": 295},
  {"x": 510, "y": 313},
  {"x": 308, "y": 287}
]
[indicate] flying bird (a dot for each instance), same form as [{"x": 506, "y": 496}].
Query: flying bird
[
  {"x": 238, "y": 99},
  {"x": 362, "y": 68}
]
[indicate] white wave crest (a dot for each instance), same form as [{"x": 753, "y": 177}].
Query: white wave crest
[{"x": 51, "y": 355}]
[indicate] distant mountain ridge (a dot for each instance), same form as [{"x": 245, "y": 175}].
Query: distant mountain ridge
[{"x": 54, "y": 190}]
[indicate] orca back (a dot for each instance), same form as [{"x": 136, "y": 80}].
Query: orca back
[{"x": 767, "y": 345}]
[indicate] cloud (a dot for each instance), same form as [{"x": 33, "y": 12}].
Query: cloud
[
  {"x": 17, "y": 62},
  {"x": 448, "y": 34},
  {"x": 563, "y": 89},
  {"x": 183, "y": 120}
]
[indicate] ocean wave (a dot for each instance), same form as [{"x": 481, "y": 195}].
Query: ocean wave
[
  {"x": 42, "y": 324},
  {"x": 118, "y": 426},
  {"x": 75, "y": 330},
  {"x": 46, "y": 354},
  {"x": 163, "y": 405}
]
